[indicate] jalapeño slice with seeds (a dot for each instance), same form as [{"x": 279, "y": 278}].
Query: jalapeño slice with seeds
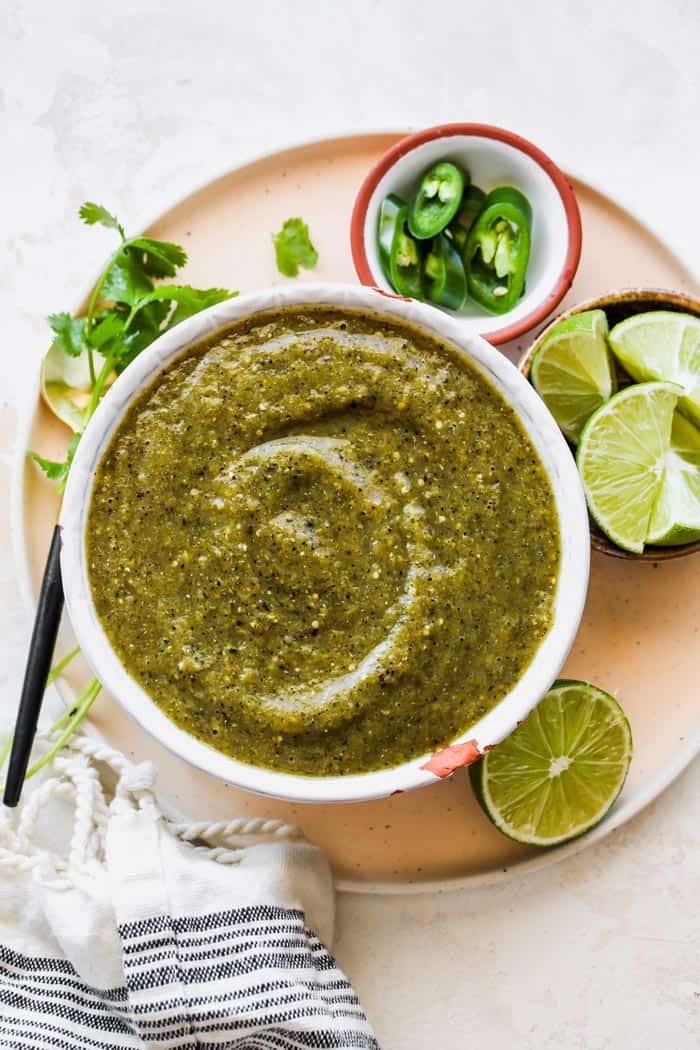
[
  {"x": 437, "y": 200},
  {"x": 498, "y": 250},
  {"x": 399, "y": 253}
]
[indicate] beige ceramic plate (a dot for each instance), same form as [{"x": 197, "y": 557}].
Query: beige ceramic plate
[{"x": 639, "y": 636}]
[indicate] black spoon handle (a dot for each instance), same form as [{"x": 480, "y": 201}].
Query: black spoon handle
[{"x": 46, "y": 622}]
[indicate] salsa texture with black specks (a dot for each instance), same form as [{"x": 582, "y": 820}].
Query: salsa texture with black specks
[{"x": 322, "y": 542}]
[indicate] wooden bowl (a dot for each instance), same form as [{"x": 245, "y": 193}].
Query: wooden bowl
[{"x": 618, "y": 306}]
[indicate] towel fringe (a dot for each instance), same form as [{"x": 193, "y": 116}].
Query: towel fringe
[{"x": 77, "y": 779}]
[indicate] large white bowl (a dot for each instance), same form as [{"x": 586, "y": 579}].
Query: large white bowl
[{"x": 546, "y": 437}]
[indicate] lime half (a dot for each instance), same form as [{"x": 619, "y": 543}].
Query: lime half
[
  {"x": 561, "y": 770},
  {"x": 662, "y": 345},
  {"x": 622, "y": 457},
  {"x": 572, "y": 370},
  {"x": 676, "y": 516}
]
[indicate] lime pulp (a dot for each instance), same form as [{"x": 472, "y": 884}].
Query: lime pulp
[{"x": 560, "y": 771}]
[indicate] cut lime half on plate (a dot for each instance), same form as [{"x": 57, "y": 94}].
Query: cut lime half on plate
[
  {"x": 621, "y": 458},
  {"x": 676, "y": 515},
  {"x": 559, "y": 773},
  {"x": 572, "y": 370},
  {"x": 662, "y": 345}
]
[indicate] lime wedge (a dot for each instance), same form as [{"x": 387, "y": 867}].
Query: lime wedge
[
  {"x": 572, "y": 370},
  {"x": 676, "y": 516},
  {"x": 561, "y": 770},
  {"x": 662, "y": 345},
  {"x": 621, "y": 457}
]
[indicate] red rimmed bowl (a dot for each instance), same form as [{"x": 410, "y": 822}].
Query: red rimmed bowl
[{"x": 493, "y": 157}]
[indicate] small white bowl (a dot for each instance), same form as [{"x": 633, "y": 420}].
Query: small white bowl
[
  {"x": 546, "y": 437},
  {"x": 493, "y": 157}
]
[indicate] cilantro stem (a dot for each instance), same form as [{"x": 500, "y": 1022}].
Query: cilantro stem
[
  {"x": 91, "y": 364},
  {"x": 61, "y": 665},
  {"x": 95, "y": 297},
  {"x": 52, "y": 676},
  {"x": 97, "y": 388},
  {"x": 5, "y": 749},
  {"x": 94, "y": 300},
  {"x": 71, "y": 719}
]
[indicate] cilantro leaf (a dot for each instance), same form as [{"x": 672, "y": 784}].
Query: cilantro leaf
[
  {"x": 144, "y": 328},
  {"x": 152, "y": 314},
  {"x": 126, "y": 280},
  {"x": 293, "y": 248},
  {"x": 54, "y": 470},
  {"x": 156, "y": 312},
  {"x": 191, "y": 300},
  {"x": 110, "y": 324},
  {"x": 126, "y": 313},
  {"x": 160, "y": 258},
  {"x": 188, "y": 300},
  {"x": 69, "y": 333},
  {"x": 137, "y": 339},
  {"x": 92, "y": 213}
]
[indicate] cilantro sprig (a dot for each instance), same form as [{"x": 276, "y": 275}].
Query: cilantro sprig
[
  {"x": 126, "y": 312},
  {"x": 293, "y": 248}
]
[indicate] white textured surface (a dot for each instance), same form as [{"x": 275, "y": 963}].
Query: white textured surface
[{"x": 134, "y": 101}]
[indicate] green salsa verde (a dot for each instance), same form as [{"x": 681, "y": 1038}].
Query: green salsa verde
[{"x": 322, "y": 542}]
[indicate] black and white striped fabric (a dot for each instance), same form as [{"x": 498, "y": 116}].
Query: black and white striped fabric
[
  {"x": 142, "y": 940},
  {"x": 254, "y": 979}
]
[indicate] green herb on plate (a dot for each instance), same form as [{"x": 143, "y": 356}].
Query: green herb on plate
[
  {"x": 126, "y": 312},
  {"x": 57, "y": 470},
  {"x": 293, "y": 248}
]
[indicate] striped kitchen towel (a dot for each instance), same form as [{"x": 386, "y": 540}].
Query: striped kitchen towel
[{"x": 142, "y": 932}]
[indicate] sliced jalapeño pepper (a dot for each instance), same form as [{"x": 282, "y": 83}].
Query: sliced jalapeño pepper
[
  {"x": 405, "y": 265},
  {"x": 399, "y": 253},
  {"x": 386, "y": 228},
  {"x": 472, "y": 203},
  {"x": 445, "y": 280},
  {"x": 437, "y": 200},
  {"x": 498, "y": 249}
]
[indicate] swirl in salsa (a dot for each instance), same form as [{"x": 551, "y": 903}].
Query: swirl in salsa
[{"x": 322, "y": 542}]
